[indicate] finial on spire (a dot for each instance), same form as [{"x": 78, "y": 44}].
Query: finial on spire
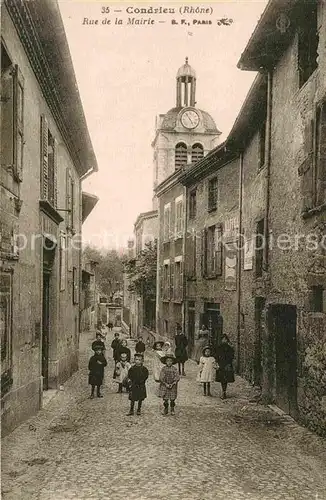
[{"x": 186, "y": 60}]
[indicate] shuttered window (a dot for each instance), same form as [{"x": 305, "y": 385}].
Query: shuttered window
[
  {"x": 212, "y": 194},
  {"x": 192, "y": 204},
  {"x": 178, "y": 217},
  {"x": 178, "y": 280},
  {"x": 12, "y": 117},
  {"x": 180, "y": 155},
  {"x": 167, "y": 222},
  {"x": 308, "y": 40},
  {"x": 70, "y": 200},
  {"x": 197, "y": 153},
  {"x": 49, "y": 175}
]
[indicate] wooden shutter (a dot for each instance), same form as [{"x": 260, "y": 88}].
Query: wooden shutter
[
  {"x": 44, "y": 159},
  {"x": 161, "y": 281},
  {"x": 7, "y": 119},
  {"x": 55, "y": 173},
  {"x": 18, "y": 123},
  {"x": 204, "y": 253},
  {"x": 181, "y": 281},
  {"x": 68, "y": 198},
  {"x": 306, "y": 168},
  {"x": 218, "y": 250},
  {"x": 171, "y": 281}
]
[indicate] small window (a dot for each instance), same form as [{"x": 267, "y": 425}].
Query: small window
[
  {"x": 197, "y": 153},
  {"x": 317, "y": 299},
  {"x": 308, "y": 40},
  {"x": 212, "y": 194},
  {"x": 192, "y": 204},
  {"x": 259, "y": 248},
  {"x": 180, "y": 155},
  {"x": 167, "y": 222},
  {"x": 178, "y": 229}
]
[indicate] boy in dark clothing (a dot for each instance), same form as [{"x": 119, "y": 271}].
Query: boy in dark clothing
[
  {"x": 98, "y": 342},
  {"x": 96, "y": 366},
  {"x": 140, "y": 346},
  {"x": 124, "y": 349},
  {"x": 115, "y": 347},
  {"x": 137, "y": 374}
]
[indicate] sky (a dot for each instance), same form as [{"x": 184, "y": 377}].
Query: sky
[{"x": 126, "y": 76}]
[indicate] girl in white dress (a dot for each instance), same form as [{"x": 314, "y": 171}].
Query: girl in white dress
[
  {"x": 157, "y": 364},
  {"x": 207, "y": 370}
]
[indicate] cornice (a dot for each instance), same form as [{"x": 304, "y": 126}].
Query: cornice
[{"x": 22, "y": 18}]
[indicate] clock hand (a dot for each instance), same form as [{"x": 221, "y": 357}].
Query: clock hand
[{"x": 190, "y": 120}]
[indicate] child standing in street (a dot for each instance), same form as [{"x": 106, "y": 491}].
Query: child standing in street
[
  {"x": 207, "y": 370},
  {"x": 96, "y": 366},
  {"x": 140, "y": 346},
  {"x": 157, "y": 363},
  {"x": 121, "y": 371},
  {"x": 169, "y": 379},
  {"x": 137, "y": 375}
]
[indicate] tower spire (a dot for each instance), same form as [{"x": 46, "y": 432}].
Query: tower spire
[{"x": 186, "y": 86}]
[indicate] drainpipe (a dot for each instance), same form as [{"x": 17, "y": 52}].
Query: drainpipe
[
  {"x": 240, "y": 240},
  {"x": 268, "y": 166},
  {"x": 184, "y": 284}
]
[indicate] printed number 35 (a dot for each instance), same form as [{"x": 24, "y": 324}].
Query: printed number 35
[{"x": 105, "y": 10}]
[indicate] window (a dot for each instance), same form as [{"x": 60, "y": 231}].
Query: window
[
  {"x": 12, "y": 117},
  {"x": 308, "y": 41},
  {"x": 166, "y": 222},
  {"x": 213, "y": 251},
  {"x": 48, "y": 164},
  {"x": 262, "y": 144},
  {"x": 192, "y": 204},
  {"x": 191, "y": 255},
  {"x": 178, "y": 281},
  {"x": 212, "y": 194},
  {"x": 63, "y": 261},
  {"x": 166, "y": 280},
  {"x": 180, "y": 155},
  {"x": 259, "y": 248},
  {"x": 317, "y": 296},
  {"x": 197, "y": 153},
  {"x": 75, "y": 291},
  {"x": 178, "y": 216}
]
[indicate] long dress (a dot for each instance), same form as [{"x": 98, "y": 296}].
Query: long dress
[
  {"x": 121, "y": 370},
  {"x": 157, "y": 364},
  {"x": 224, "y": 356},
  {"x": 202, "y": 341},
  {"x": 169, "y": 375},
  {"x": 181, "y": 343},
  {"x": 206, "y": 369}
]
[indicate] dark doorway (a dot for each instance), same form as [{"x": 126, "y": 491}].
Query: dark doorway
[
  {"x": 191, "y": 326},
  {"x": 258, "y": 370},
  {"x": 284, "y": 325},
  {"x": 45, "y": 329},
  {"x": 213, "y": 319}
]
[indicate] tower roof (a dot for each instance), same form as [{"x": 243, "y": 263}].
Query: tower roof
[{"x": 186, "y": 70}]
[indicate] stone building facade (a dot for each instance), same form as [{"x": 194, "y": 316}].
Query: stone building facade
[
  {"x": 289, "y": 293},
  {"x": 43, "y": 161},
  {"x": 184, "y": 135}
]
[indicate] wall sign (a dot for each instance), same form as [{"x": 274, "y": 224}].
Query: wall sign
[
  {"x": 248, "y": 253},
  {"x": 231, "y": 266}
]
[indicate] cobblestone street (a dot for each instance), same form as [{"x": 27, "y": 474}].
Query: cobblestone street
[{"x": 212, "y": 449}]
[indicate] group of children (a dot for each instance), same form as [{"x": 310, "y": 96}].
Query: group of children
[{"x": 133, "y": 377}]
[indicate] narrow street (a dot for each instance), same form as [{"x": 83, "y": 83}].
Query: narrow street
[{"x": 212, "y": 449}]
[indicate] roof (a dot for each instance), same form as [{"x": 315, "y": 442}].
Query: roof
[
  {"x": 253, "y": 108},
  {"x": 217, "y": 157},
  {"x": 170, "y": 120},
  {"x": 145, "y": 215},
  {"x": 186, "y": 70},
  {"x": 268, "y": 41},
  {"x": 88, "y": 203},
  {"x": 41, "y": 30}
]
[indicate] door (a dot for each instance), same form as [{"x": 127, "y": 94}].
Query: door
[
  {"x": 284, "y": 324},
  {"x": 45, "y": 329},
  {"x": 212, "y": 318},
  {"x": 258, "y": 370}
]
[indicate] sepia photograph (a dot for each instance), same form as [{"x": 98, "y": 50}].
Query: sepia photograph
[{"x": 163, "y": 250}]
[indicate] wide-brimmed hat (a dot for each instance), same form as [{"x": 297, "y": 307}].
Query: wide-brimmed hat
[
  {"x": 161, "y": 342},
  {"x": 205, "y": 348},
  {"x": 168, "y": 356}
]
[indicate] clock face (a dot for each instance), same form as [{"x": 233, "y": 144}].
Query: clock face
[{"x": 190, "y": 119}]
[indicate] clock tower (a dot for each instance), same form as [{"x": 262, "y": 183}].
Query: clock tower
[{"x": 185, "y": 134}]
